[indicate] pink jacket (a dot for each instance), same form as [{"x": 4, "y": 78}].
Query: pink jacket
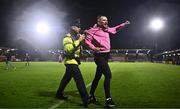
[{"x": 97, "y": 37}]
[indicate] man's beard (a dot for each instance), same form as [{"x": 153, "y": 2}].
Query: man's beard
[{"x": 106, "y": 26}]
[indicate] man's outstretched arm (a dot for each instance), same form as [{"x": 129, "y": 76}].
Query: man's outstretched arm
[{"x": 115, "y": 29}]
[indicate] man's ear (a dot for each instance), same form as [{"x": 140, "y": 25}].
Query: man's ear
[
  {"x": 73, "y": 27},
  {"x": 98, "y": 21}
]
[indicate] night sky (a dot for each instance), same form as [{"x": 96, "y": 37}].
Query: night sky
[{"x": 136, "y": 35}]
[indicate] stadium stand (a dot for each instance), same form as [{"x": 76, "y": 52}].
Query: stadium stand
[
  {"x": 2, "y": 52},
  {"x": 123, "y": 55},
  {"x": 116, "y": 55},
  {"x": 169, "y": 57}
]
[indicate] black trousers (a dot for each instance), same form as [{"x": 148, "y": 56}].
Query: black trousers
[
  {"x": 101, "y": 60},
  {"x": 73, "y": 71}
]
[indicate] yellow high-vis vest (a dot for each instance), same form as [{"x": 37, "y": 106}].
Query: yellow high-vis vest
[{"x": 71, "y": 48}]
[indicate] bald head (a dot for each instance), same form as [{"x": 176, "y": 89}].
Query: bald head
[{"x": 102, "y": 21}]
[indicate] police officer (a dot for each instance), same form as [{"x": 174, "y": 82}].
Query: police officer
[{"x": 71, "y": 43}]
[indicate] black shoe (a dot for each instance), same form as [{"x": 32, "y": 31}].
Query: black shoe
[
  {"x": 92, "y": 99},
  {"x": 86, "y": 104},
  {"x": 61, "y": 97},
  {"x": 109, "y": 103}
]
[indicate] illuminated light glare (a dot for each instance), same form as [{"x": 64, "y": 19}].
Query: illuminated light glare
[
  {"x": 157, "y": 24},
  {"x": 42, "y": 28}
]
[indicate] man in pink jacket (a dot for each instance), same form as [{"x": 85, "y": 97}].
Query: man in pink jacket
[{"x": 97, "y": 38}]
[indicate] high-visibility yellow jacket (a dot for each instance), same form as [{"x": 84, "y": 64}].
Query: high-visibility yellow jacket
[{"x": 71, "y": 48}]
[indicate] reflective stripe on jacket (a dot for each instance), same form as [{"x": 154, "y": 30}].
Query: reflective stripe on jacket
[{"x": 71, "y": 49}]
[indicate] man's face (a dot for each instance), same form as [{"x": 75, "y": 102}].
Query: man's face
[
  {"x": 76, "y": 29},
  {"x": 103, "y": 21}
]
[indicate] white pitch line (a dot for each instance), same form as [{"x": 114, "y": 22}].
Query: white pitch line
[
  {"x": 56, "y": 105},
  {"x": 88, "y": 85},
  {"x": 62, "y": 101}
]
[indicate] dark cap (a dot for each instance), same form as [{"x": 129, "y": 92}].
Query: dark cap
[{"x": 76, "y": 23}]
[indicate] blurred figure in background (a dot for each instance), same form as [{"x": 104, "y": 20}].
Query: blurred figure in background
[
  {"x": 27, "y": 59},
  {"x": 9, "y": 64},
  {"x": 60, "y": 58}
]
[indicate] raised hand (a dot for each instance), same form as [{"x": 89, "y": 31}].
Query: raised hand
[
  {"x": 127, "y": 22},
  {"x": 81, "y": 37}
]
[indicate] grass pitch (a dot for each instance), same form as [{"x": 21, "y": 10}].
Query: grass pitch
[{"x": 137, "y": 85}]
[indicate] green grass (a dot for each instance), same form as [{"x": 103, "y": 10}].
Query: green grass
[{"x": 139, "y": 85}]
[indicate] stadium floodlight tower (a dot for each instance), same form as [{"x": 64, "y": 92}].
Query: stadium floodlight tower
[{"x": 156, "y": 24}]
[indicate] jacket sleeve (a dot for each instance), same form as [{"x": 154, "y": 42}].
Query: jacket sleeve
[
  {"x": 115, "y": 29},
  {"x": 88, "y": 40},
  {"x": 69, "y": 45}
]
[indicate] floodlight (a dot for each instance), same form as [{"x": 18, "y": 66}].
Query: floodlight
[
  {"x": 42, "y": 28},
  {"x": 157, "y": 24}
]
